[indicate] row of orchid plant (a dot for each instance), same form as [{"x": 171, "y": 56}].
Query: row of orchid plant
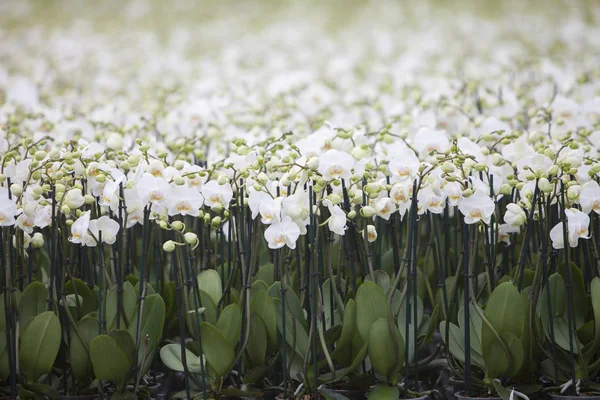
[{"x": 401, "y": 218}]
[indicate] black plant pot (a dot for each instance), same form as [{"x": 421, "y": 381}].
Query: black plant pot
[
  {"x": 556, "y": 396},
  {"x": 462, "y": 396}
]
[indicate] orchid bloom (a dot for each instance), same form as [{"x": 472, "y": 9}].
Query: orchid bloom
[
  {"x": 477, "y": 207},
  {"x": 217, "y": 195},
  {"x": 577, "y": 228},
  {"x": 282, "y": 233},
  {"x": 335, "y": 164}
]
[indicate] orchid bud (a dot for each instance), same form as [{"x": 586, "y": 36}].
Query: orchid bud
[
  {"x": 190, "y": 238},
  {"x": 573, "y": 192},
  {"x": 216, "y": 221},
  {"x": 467, "y": 192},
  {"x": 177, "y": 225},
  {"x": 37, "y": 241},
  {"x": 447, "y": 167},
  {"x": 545, "y": 186},
  {"x": 553, "y": 171},
  {"x": 505, "y": 189},
  {"x": 367, "y": 212},
  {"x": 40, "y": 155},
  {"x": 169, "y": 246},
  {"x": 222, "y": 180},
  {"x": 352, "y": 214},
  {"x": 89, "y": 199},
  {"x": 16, "y": 189}
]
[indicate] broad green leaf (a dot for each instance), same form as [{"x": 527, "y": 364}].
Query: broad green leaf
[
  {"x": 381, "y": 278},
  {"x": 112, "y": 356},
  {"x": 129, "y": 300},
  {"x": 371, "y": 305},
  {"x": 402, "y": 314},
  {"x": 41, "y": 341},
  {"x": 151, "y": 327},
  {"x": 385, "y": 359},
  {"x": 218, "y": 352},
  {"x": 292, "y": 327},
  {"x": 171, "y": 356},
  {"x": 475, "y": 324},
  {"x": 258, "y": 286},
  {"x": 206, "y": 301},
  {"x": 265, "y": 273},
  {"x": 341, "y": 373},
  {"x": 257, "y": 342},
  {"x": 15, "y": 304},
  {"x": 89, "y": 303},
  {"x": 456, "y": 345},
  {"x": 343, "y": 347},
  {"x": 504, "y": 310},
  {"x": 81, "y": 363},
  {"x": 33, "y": 302},
  {"x": 328, "y": 300},
  {"x": 383, "y": 392},
  {"x": 263, "y": 305},
  {"x": 230, "y": 323},
  {"x": 72, "y": 300},
  {"x": 292, "y": 302},
  {"x": 591, "y": 349},
  {"x": 578, "y": 292},
  {"x": 330, "y": 394},
  {"x": 209, "y": 282}
]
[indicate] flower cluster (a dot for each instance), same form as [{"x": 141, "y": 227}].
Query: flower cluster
[{"x": 300, "y": 137}]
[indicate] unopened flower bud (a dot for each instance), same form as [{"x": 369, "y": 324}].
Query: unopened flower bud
[
  {"x": 190, "y": 238},
  {"x": 216, "y": 221},
  {"x": 40, "y": 155},
  {"x": 553, "y": 171},
  {"x": 352, "y": 214},
  {"x": 545, "y": 186},
  {"x": 367, "y": 212},
  {"x": 37, "y": 241},
  {"x": 371, "y": 233},
  {"x": 573, "y": 192},
  {"x": 177, "y": 225},
  {"x": 505, "y": 189},
  {"x": 89, "y": 199},
  {"x": 16, "y": 189},
  {"x": 467, "y": 192},
  {"x": 169, "y": 246}
]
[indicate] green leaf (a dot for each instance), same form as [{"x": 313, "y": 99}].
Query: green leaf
[
  {"x": 171, "y": 356},
  {"x": 230, "y": 323},
  {"x": 381, "y": 278},
  {"x": 129, "y": 301},
  {"x": 580, "y": 305},
  {"x": 41, "y": 341},
  {"x": 72, "y": 300},
  {"x": 292, "y": 326},
  {"x": 456, "y": 345},
  {"x": 475, "y": 326},
  {"x": 292, "y": 302},
  {"x": 385, "y": 360},
  {"x": 384, "y": 392},
  {"x": 263, "y": 305},
  {"x": 33, "y": 302},
  {"x": 329, "y": 394},
  {"x": 89, "y": 303},
  {"x": 591, "y": 349},
  {"x": 371, "y": 305},
  {"x": 341, "y": 373},
  {"x": 265, "y": 273},
  {"x": 218, "y": 352},
  {"x": 209, "y": 282},
  {"x": 81, "y": 363},
  {"x": 210, "y": 312},
  {"x": 112, "y": 356},
  {"x": 343, "y": 347},
  {"x": 257, "y": 342},
  {"x": 504, "y": 310},
  {"x": 151, "y": 327}
]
